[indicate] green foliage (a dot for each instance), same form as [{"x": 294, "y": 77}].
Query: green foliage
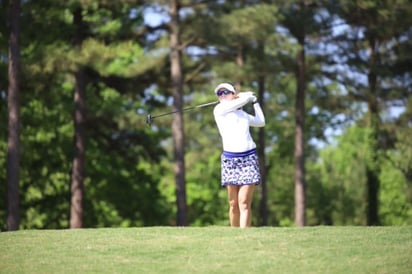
[
  {"x": 343, "y": 175},
  {"x": 396, "y": 189},
  {"x": 121, "y": 188},
  {"x": 129, "y": 169},
  {"x": 254, "y": 23},
  {"x": 395, "y": 202},
  {"x": 207, "y": 201}
]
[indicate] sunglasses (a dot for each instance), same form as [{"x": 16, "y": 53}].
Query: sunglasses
[{"x": 224, "y": 91}]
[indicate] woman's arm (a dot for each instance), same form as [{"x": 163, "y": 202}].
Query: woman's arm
[
  {"x": 259, "y": 119},
  {"x": 228, "y": 106}
]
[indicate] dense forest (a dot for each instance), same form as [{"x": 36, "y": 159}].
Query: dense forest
[{"x": 78, "y": 79}]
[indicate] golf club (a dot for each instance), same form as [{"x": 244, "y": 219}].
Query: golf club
[{"x": 150, "y": 118}]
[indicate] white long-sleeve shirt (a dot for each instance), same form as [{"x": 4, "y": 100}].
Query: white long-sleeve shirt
[{"x": 234, "y": 123}]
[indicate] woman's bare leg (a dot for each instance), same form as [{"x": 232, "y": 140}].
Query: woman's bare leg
[
  {"x": 234, "y": 213},
  {"x": 245, "y": 197}
]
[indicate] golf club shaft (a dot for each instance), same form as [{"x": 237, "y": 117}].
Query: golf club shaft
[
  {"x": 185, "y": 109},
  {"x": 150, "y": 118}
]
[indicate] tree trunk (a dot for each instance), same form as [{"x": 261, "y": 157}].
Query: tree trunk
[
  {"x": 178, "y": 123},
  {"x": 263, "y": 209},
  {"x": 300, "y": 184},
  {"x": 240, "y": 63},
  {"x": 372, "y": 170},
  {"x": 77, "y": 184},
  {"x": 13, "y": 157}
]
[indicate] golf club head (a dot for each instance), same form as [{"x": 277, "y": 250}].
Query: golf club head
[{"x": 149, "y": 119}]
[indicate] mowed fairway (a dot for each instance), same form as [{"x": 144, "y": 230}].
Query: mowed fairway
[{"x": 212, "y": 249}]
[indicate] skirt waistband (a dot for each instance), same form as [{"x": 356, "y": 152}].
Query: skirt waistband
[{"x": 239, "y": 154}]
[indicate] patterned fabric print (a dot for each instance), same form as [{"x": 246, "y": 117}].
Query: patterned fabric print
[{"x": 240, "y": 170}]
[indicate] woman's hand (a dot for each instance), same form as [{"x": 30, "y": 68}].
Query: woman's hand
[
  {"x": 246, "y": 94},
  {"x": 250, "y": 95}
]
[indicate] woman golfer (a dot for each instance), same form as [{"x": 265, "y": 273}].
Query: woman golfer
[{"x": 239, "y": 161}]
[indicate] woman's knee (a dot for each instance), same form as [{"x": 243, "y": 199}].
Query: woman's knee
[
  {"x": 244, "y": 205},
  {"x": 234, "y": 205}
]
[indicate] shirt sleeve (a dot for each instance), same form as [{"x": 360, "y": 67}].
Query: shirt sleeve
[
  {"x": 259, "y": 119},
  {"x": 228, "y": 106}
]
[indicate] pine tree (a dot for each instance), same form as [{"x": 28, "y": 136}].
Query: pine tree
[
  {"x": 13, "y": 151},
  {"x": 378, "y": 29}
]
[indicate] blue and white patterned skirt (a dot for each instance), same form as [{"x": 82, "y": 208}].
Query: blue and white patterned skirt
[{"x": 240, "y": 168}]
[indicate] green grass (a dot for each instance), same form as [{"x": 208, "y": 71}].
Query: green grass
[{"x": 208, "y": 250}]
